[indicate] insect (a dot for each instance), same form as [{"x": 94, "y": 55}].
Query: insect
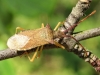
[{"x": 28, "y": 39}]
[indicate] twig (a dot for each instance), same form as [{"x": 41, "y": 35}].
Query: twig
[
  {"x": 75, "y": 15},
  {"x": 69, "y": 43},
  {"x": 88, "y": 34}
]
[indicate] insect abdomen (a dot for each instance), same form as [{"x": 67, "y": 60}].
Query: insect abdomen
[{"x": 29, "y": 39}]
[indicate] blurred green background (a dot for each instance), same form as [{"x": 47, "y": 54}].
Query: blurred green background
[{"x": 29, "y": 14}]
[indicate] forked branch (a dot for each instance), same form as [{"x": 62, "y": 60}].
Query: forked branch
[{"x": 69, "y": 43}]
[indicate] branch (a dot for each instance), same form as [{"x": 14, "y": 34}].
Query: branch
[
  {"x": 70, "y": 44},
  {"x": 9, "y": 53},
  {"x": 88, "y": 34},
  {"x": 77, "y": 12}
]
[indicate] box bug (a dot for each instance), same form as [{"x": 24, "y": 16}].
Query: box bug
[{"x": 28, "y": 39}]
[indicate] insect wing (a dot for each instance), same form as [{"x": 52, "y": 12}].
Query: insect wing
[
  {"x": 29, "y": 39},
  {"x": 17, "y": 41}
]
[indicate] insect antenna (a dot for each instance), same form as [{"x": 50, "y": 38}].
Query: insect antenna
[
  {"x": 68, "y": 35},
  {"x": 72, "y": 27}
]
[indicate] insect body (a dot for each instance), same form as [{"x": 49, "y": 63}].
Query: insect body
[{"x": 28, "y": 39}]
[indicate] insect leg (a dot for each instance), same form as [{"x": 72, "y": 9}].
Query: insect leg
[
  {"x": 59, "y": 23},
  {"x": 59, "y": 45},
  {"x": 34, "y": 55},
  {"x": 18, "y": 28},
  {"x": 25, "y": 53},
  {"x": 42, "y": 25},
  {"x": 56, "y": 43},
  {"x": 39, "y": 52}
]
